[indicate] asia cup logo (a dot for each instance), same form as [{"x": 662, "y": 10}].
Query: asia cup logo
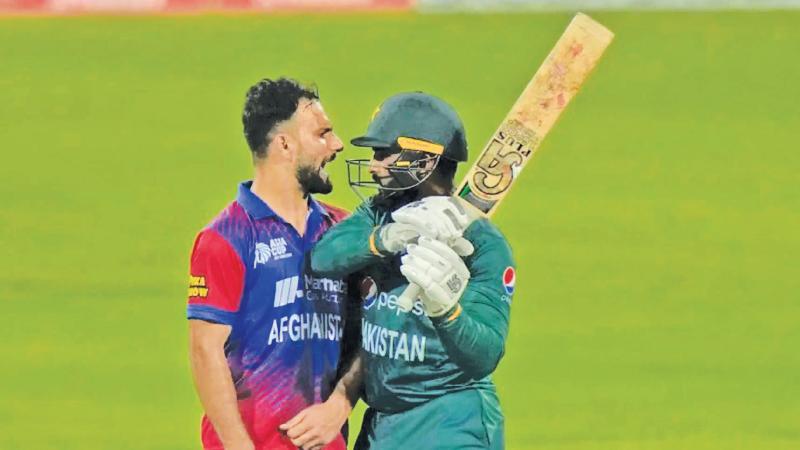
[
  {"x": 369, "y": 292},
  {"x": 509, "y": 278},
  {"x": 262, "y": 253}
]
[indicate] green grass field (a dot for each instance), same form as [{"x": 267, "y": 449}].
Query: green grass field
[{"x": 656, "y": 232}]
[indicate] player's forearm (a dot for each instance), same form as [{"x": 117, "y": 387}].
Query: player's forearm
[
  {"x": 320, "y": 424},
  {"x": 345, "y": 394},
  {"x": 349, "y": 386},
  {"x": 474, "y": 338},
  {"x": 350, "y": 360},
  {"x": 214, "y": 385}
]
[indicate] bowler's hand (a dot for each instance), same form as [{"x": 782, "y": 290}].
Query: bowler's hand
[{"x": 318, "y": 424}]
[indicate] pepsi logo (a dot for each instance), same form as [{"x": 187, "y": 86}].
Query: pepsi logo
[
  {"x": 509, "y": 278},
  {"x": 369, "y": 292}
]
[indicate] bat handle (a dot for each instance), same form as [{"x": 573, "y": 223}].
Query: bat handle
[{"x": 406, "y": 300}]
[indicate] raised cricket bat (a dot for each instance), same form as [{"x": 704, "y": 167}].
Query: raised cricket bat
[{"x": 533, "y": 115}]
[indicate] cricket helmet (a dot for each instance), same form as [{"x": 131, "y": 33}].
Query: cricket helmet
[{"x": 421, "y": 128}]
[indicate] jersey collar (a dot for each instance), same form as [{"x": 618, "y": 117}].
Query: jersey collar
[
  {"x": 316, "y": 208},
  {"x": 251, "y": 203},
  {"x": 258, "y": 209}
]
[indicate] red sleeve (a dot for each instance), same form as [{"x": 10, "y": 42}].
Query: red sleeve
[
  {"x": 336, "y": 213},
  {"x": 216, "y": 278}
]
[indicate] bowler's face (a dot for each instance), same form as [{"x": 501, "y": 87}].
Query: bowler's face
[{"x": 318, "y": 146}]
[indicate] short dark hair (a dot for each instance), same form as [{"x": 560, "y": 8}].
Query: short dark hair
[{"x": 267, "y": 104}]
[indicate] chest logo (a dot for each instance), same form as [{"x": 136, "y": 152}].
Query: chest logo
[
  {"x": 276, "y": 249},
  {"x": 286, "y": 291},
  {"x": 369, "y": 292}
]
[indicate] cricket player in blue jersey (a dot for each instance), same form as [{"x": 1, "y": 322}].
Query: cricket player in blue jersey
[
  {"x": 265, "y": 328},
  {"x": 425, "y": 373}
]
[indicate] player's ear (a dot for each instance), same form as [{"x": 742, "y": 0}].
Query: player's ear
[
  {"x": 288, "y": 146},
  {"x": 283, "y": 142},
  {"x": 281, "y": 145}
]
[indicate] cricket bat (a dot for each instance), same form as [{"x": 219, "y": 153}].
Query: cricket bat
[{"x": 533, "y": 115}]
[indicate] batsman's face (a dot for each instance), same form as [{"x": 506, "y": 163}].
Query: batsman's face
[
  {"x": 318, "y": 145},
  {"x": 379, "y": 166}
]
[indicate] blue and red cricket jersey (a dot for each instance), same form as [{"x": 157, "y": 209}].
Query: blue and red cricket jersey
[{"x": 249, "y": 270}]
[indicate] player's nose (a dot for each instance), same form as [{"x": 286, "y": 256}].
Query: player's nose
[
  {"x": 375, "y": 167},
  {"x": 336, "y": 143}
]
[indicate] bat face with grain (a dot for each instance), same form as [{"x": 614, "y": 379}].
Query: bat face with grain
[{"x": 535, "y": 112}]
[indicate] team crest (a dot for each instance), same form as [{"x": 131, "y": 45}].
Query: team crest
[
  {"x": 369, "y": 292},
  {"x": 509, "y": 278}
]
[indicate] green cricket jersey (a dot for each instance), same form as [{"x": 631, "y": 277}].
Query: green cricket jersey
[{"x": 410, "y": 358}]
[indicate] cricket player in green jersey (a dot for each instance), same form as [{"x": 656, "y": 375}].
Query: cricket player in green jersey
[{"x": 425, "y": 373}]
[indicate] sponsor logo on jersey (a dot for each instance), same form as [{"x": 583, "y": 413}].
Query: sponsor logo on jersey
[
  {"x": 197, "y": 286},
  {"x": 509, "y": 278},
  {"x": 329, "y": 290},
  {"x": 369, "y": 292},
  {"x": 382, "y": 300},
  {"x": 286, "y": 291},
  {"x": 276, "y": 250}
]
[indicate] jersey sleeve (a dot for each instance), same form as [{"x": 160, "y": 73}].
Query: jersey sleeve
[
  {"x": 474, "y": 334},
  {"x": 216, "y": 280},
  {"x": 348, "y": 246},
  {"x": 337, "y": 214}
]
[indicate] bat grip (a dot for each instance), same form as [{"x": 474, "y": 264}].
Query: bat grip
[{"x": 406, "y": 300}]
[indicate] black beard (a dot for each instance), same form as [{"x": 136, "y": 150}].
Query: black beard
[
  {"x": 311, "y": 182},
  {"x": 392, "y": 200}
]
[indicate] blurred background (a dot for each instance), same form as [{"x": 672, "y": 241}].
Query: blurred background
[{"x": 656, "y": 230}]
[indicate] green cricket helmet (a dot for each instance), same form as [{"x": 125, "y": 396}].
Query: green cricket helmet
[{"x": 420, "y": 128}]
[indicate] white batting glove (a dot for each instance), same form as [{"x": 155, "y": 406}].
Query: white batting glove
[
  {"x": 439, "y": 271},
  {"x": 394, "y": 237},
  {"x": 438, "y": 217}
]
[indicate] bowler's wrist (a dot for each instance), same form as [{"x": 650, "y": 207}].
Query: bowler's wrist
[{"x": 339, "y": 403}]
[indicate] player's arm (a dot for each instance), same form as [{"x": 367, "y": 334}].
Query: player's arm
[
  {"x": 358, "y": 241},
  {"x": 215, "y": 290},
  {"x": 345, "y": 247},
  {"x": 471, "y": 321},
  {"x": 474, "y": 332},
  {"x": 212, "y": 379},
  {"x": 319, "y": 424}
]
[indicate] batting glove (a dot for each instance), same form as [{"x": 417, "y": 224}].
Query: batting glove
[
  {"x": 394, "y": 237},
  {"x": 438, "y": 217},
  {"x": 439, "y": 271}
]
